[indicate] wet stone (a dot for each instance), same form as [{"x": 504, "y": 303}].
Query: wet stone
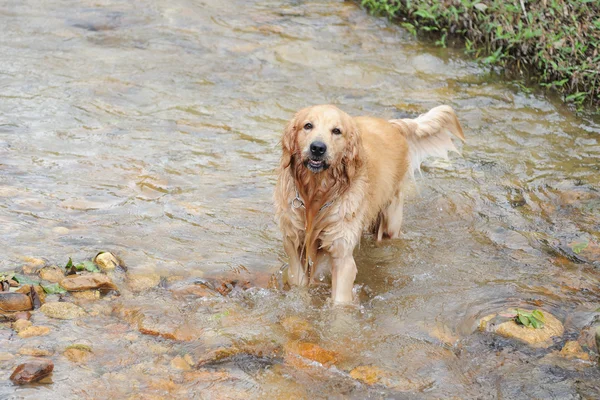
[
  {"x": 529, "y": 335},
  {"x": 52, "y": 274},
  {"x": 35, "y": 352},
  {"x": 106, "y": 261},
  {"x": 22, "y": 315},
  {"x": 78, "y": 354},
  {"x": 20, "y": 325},
  {"x": 32, "y": 264},
  {"x": 89, "y": 295},
  {"x": 572, "y": 349},
  {"x": 155, "y": 324},
  {"x": 180, "y": 363},
  {"x": 34, "y": 331},
  {"x": 62, "y": 310},
  {"x": 368, "y": 374},
  {"x": 32, "y": 371},
  {"x": 11, "y": 302},
  {"x": 140, "y": 282},
  {"x": 76, "y": 283},
  {"x": 311, "y": 352},
  {"x": 299, "y": 328},
  {"x": 26, "y": 289}
]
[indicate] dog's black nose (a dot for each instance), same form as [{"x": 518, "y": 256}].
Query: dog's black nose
[{"x": 317, "y": 149}]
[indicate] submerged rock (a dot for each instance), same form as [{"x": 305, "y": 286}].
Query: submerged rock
[
  {"x": 106, "y": 261},
  {"x": 180, "y": 363},
  {"x": 299, "y": 328},
  {"x": 368, "y": 374},
  {"x": 39, "y": 292},
  {"x": 21, "y": 324},
  {"x": 87, "y": 295},
  {"x": 11, "y": 302},
  {"x": 34, "y": 331},
  {"x": 78, "y": 354},
  {"x": 32, "y": 264},
  {"x": 572, "y": 349},
  {"x": 311, "y": 352},
  {"x": 77, "y": 283},
  {"x": 62, "y": 310},
  {"x": 32, "y": 371},
  {"x": 534, "y": 337},
  {"x": 22, "y": 315},
  {"x": 52, "y": 274},
  {"x": 140, "y": 282},
  {"x": 35, "y": 351}
]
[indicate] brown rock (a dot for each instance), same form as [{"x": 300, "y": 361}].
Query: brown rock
[
  {"x": 180, "y": 363},
  {"x": 534, "y": 337},
  {"x": 106, "y": 261},
  {"x": 310, "y": 351},
  {"x": 193, "y": 290},
  {"x": 10, "y": 302},
  {"x": 34, "y": 331},
  {"x": 76, "y": 283},
  {"x": 367, "y": 374},
  {"x": 52, "y": 274},
  {"x": 206, "y": 376},
  {"x": 299, "y": 328},
  {"x": 23, "y": 315},
  {"x": 32, "y": 371},
  {"x": 35, "y": 352},
  {"x": 21, "y": 324},
  {"x": 32, "y": 264},
  {"x": 572, "y": 349},
  {"x": 139, "y": 282},
  {"x": 26, "y": 289},
  {"x": 168, "y": 329},
  {"x": 62, "y": 310},
  {"x": 77, "y": 355},
  {"x": 87, "y": 295}
]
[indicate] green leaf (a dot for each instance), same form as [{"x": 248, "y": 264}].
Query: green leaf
[
  {"x": 578, "y": 247},
  {"x": 54, "y": 288},
  {"x": 523, "y": 320},
  {"x": 69, "y": 264},
  {"x": 537, "y": 314},
  {"x": 25, "y": 280},
  {"x": 536, "y": 324},
  {"x": 90, "y": 266}
]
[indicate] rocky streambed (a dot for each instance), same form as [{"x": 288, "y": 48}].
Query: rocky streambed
[{"x": 150, "y": 336}]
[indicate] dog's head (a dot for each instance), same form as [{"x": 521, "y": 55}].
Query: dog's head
[{"x": 321, "y": 137}]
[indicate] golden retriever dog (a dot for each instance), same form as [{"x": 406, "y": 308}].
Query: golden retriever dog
[{"x": 340, "y": 175}]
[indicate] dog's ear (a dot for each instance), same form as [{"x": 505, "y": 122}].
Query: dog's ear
[
  {"x": 351, "y": 159},
  {"x": 288, "y": 142}
]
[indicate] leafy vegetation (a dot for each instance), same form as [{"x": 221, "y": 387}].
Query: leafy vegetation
[
  {"x": 53, "y": 288},
  {"x": 72, "y": 268},
  {"x": 553, "y": 42},
  {"x": 535, "y": 318}
]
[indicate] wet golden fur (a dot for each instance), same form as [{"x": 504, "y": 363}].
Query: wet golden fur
[{"x": 368, "y": 163}]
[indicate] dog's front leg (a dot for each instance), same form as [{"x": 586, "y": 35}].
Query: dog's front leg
[
  {"x": 343, "y": 275},
  {"x": 296, "y": 273}
]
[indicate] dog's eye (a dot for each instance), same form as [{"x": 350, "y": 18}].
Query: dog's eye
[
  {"x": 336, "y": 131},
  {"x": 308, "y": 126}
]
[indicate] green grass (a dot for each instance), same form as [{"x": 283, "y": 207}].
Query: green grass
[{"x": 552, "y": 42}]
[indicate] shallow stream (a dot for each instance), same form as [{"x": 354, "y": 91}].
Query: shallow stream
[{"x": 151, "y": 128}]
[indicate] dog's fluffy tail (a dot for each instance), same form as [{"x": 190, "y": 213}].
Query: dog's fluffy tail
[{"x": 428, "y": 135}]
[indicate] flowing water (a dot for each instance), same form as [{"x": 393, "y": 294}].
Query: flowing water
[{"x": 151, "y": 129}]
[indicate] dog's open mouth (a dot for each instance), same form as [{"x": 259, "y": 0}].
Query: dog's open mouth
[{"x": 315, "y": 165}]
